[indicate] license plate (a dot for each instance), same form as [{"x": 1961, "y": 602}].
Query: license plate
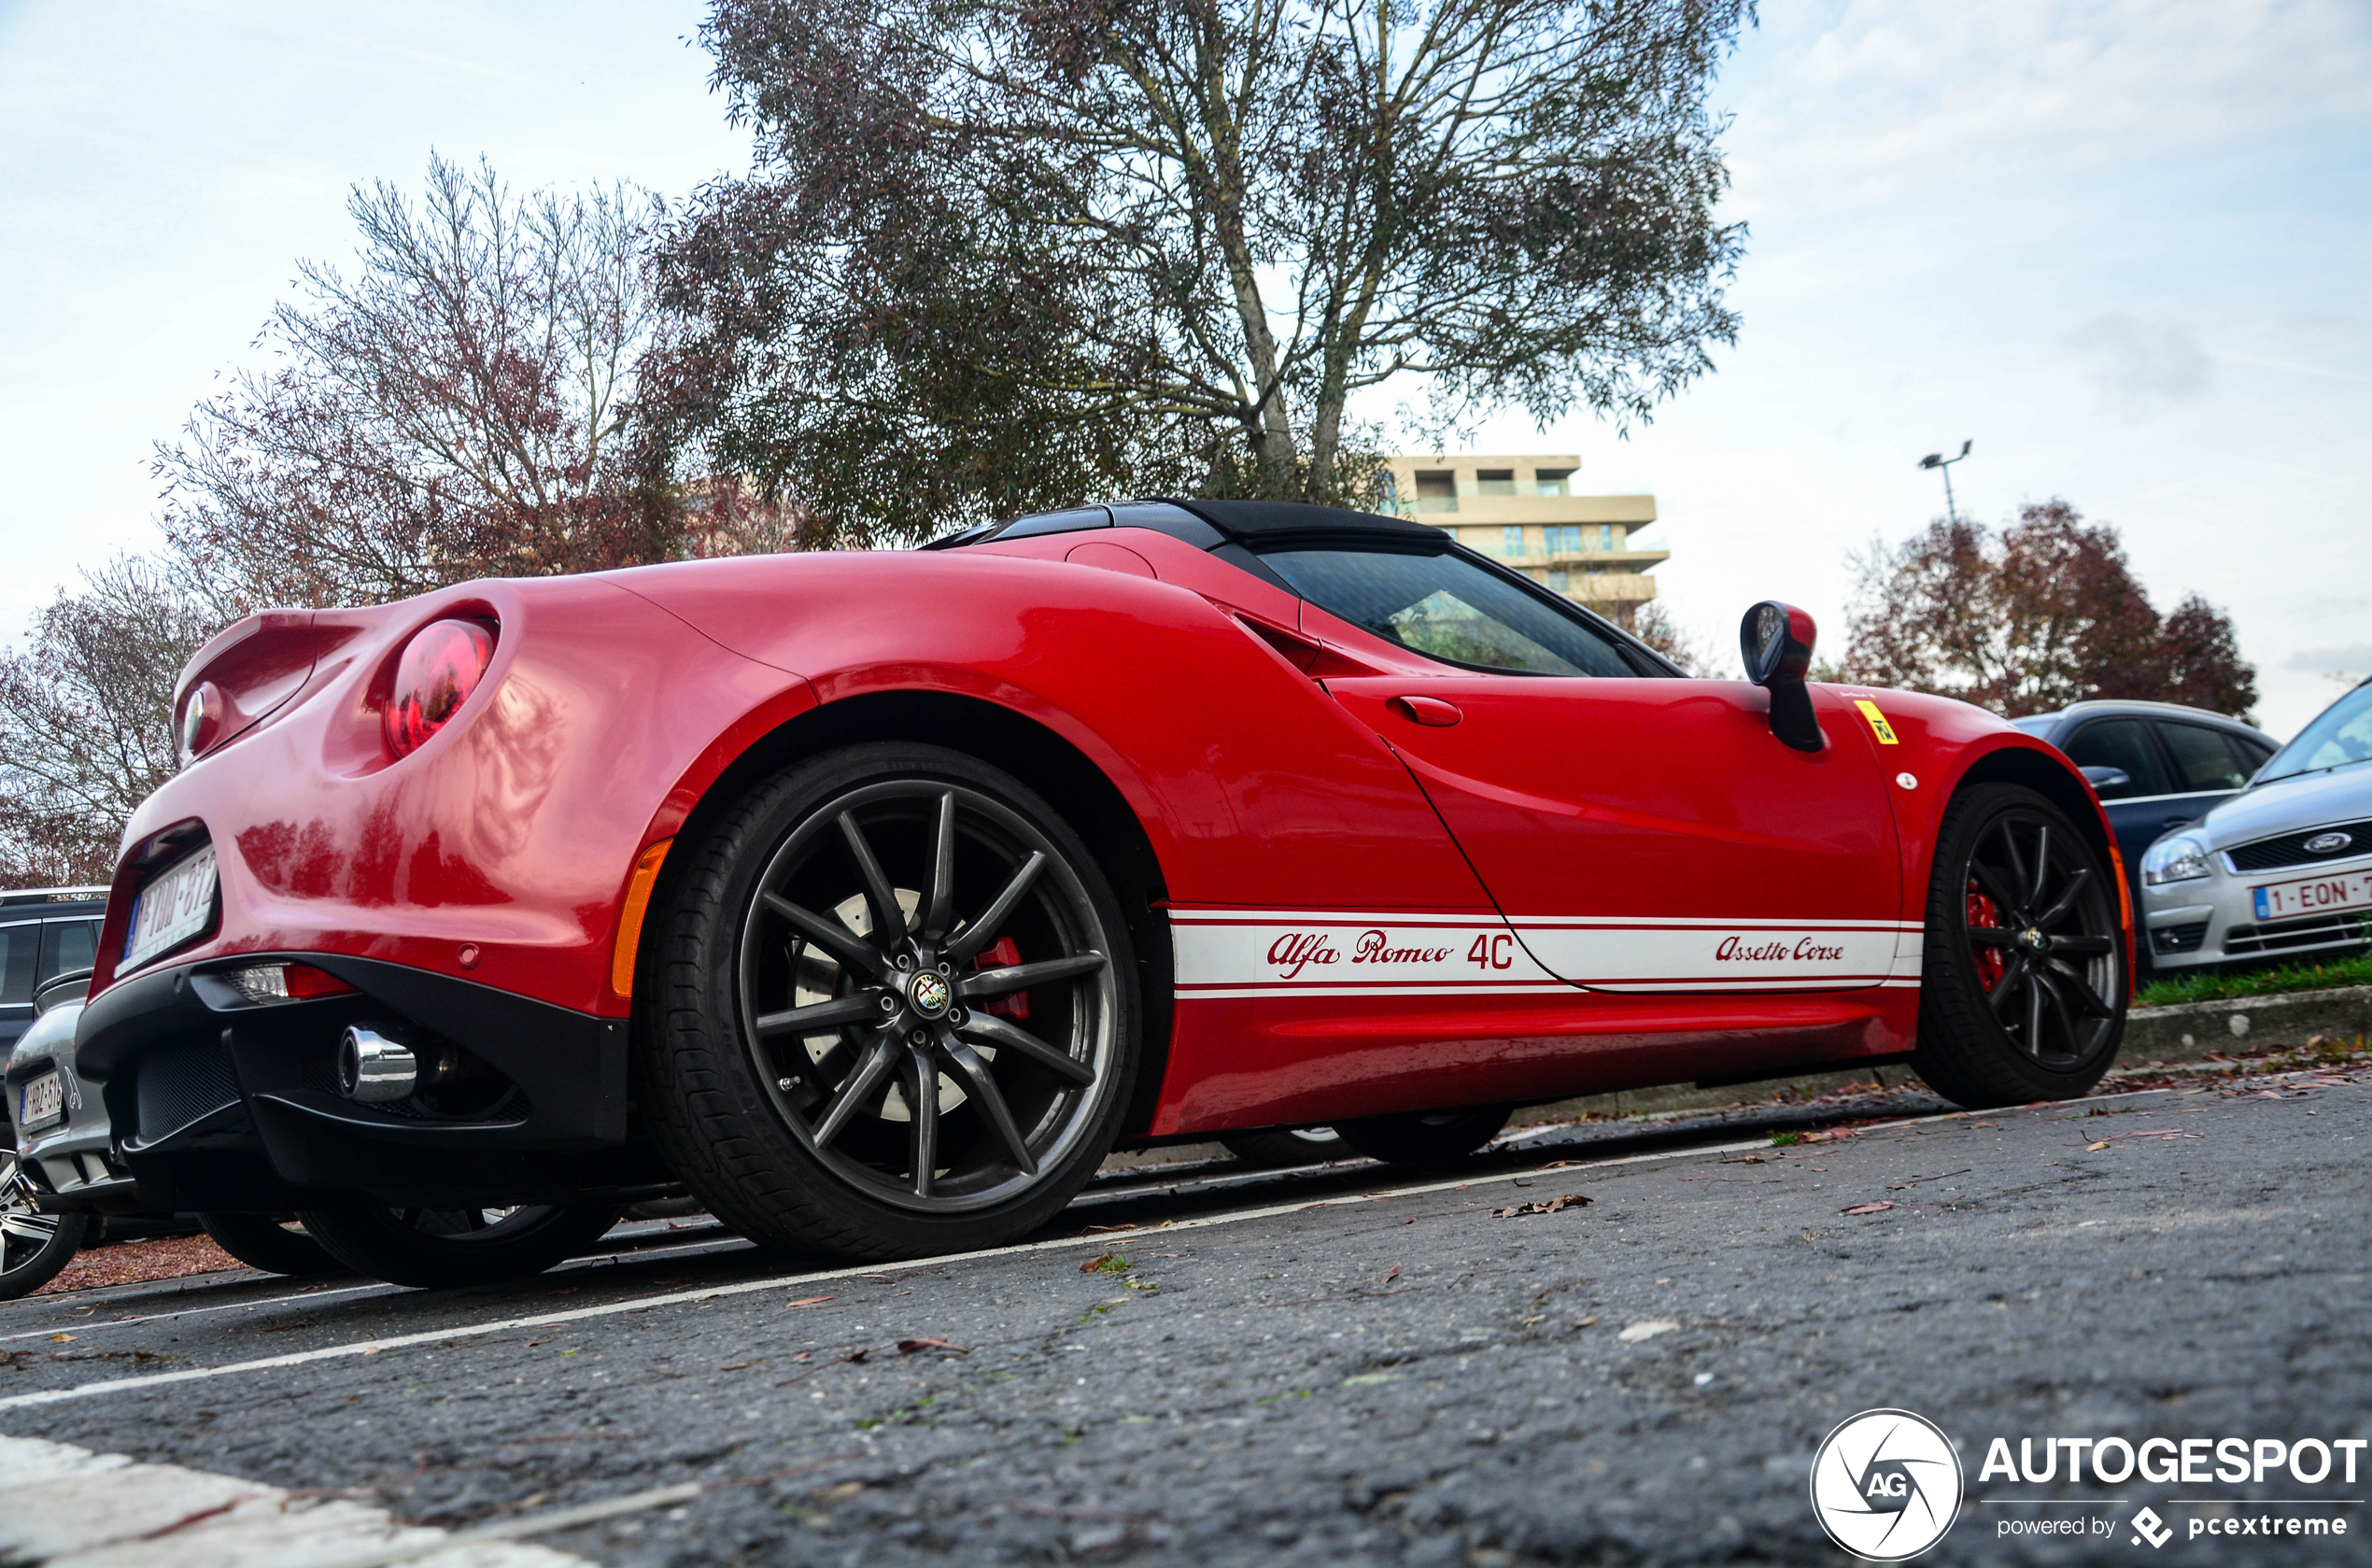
[
  {"x": 2314, "y": 895},
  {"x": 172, "y": 909},
  {"x": 44, "y": 1101}
]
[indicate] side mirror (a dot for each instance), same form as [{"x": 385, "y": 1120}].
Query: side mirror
[
  {"x": 1776, "y": 642},
  {"x": 2109, "y": 780}
]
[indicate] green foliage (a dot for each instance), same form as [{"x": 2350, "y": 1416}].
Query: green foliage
[{"x": 2217, "y": 985}]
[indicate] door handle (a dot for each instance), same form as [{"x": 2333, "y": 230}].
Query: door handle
[{"x": 1427, "y": 710}]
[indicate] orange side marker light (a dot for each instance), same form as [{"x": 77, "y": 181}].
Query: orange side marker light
[{"x": 630, "y": 920}]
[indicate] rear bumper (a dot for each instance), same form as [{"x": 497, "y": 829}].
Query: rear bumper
[{"x": 219, "y": 1103}]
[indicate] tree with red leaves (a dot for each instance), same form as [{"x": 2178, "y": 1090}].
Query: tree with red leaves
[
  {"x": 992, "y": 258},
  {"x": 2044, "y": 614}
]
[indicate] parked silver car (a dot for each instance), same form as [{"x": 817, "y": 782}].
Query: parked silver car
[
  {"x": 59, "y": 1172},
  {"x": 2283, "y": 869}
]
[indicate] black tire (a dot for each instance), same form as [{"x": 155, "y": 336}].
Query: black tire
[
  {"x": 265, "y": 1241},
  {"x": 1287, "y": 1146},
  {"x": 33, "y": 1246},
  {"x": 441, "y": 1249},
  {"x": 809, "y": 1139},
  {"x": 1426, "y": 1136},
  {"x": 2031, "y": 1005}
]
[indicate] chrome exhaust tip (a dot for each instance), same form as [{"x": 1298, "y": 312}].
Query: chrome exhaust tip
[{"x": 373, "y": 1068}]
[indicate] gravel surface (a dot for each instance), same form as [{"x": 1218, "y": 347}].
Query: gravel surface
[{"x": 1354, "y": 1364}]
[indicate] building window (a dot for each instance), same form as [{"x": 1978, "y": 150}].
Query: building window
[
  {"x": 1549, "y": 481},
  {"x": 1436, "y": 491},
  {"x": 1494, "y": 481},
  {"x": 1605, "y": 536},
  {"x": 1564, "y": 541},
  {"x": 1555, "y": 582},
  {"x": 1511, "y": 541}
]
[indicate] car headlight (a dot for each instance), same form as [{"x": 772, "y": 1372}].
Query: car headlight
[{"x": 2175, "y": 859}]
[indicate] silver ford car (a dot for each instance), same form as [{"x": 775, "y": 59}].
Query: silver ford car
[{"x": 2280, "y": 870}]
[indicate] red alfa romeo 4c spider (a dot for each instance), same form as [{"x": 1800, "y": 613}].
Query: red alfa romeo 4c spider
[{"x": 877, "y": 896}]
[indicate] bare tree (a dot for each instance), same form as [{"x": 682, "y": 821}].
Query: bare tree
[
  {"x": 991, "y": 257},
  {"x": 86, "y": 718},
  {"x": 1653, "y": 624},
  {"x": 464, "y": 405}
]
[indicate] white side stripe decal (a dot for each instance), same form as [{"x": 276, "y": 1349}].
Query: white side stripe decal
[{"x": 1295, "y": 953}]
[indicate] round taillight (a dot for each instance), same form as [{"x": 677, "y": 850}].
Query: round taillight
[
  {"x": 201, "y": 721},
  {"x": 441, "y": 665}
]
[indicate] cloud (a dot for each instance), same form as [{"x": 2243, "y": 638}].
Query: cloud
[
  {"x": 2350, "y": 665},
  {"x": 2140, "y": 362},
  {"x": 1860, "y": 101}
]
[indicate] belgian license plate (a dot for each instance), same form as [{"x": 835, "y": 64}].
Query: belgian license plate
[
  {"x": 172, "y": 909},
  {"x": 44, "y": 1101},
  {"x": 2314, "y": 895}
]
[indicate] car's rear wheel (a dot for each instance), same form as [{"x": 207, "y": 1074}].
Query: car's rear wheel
[
  {"x": 889, "y": 1009},
  {"x": 271, "y": 1242},
  {"x": 1426, "y": 1136},
  {"x": 1287, "y": 1146},
  {"x": 33, "y": 1246},
  {"x": 2022, "y": 986},
  {"x": 441, "y": 1249}
]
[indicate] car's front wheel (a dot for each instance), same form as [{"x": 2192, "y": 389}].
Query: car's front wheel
[
  {"x": 441, "y": 1249},
  {"x": 2022, "y": 985},
  {"x": 889, "y": 1009}
]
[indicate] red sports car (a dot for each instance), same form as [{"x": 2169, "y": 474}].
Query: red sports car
[{"x": 877, "y": 896}]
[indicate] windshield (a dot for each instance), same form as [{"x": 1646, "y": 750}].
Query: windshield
[
  {"x": 2340, "y": 735},
  {"x": 1446, "y": 608}
]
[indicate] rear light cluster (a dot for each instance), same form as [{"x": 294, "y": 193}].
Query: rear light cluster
[
  {"x": 440, "y": 666},
  {"x": 266, "y": 984}
]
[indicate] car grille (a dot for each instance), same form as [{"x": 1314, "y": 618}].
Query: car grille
[
  {"x": 2316, "y": 930},
  {"x": 181, "y": 1081},
  {"x": 2289, "y": 849},
  {"x": 2178, "y": 939}
]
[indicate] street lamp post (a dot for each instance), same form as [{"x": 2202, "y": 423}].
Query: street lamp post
[{"x": 1942, "y": 464}]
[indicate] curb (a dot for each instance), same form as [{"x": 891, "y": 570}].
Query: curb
[{"x": 2189, "y": 1030}]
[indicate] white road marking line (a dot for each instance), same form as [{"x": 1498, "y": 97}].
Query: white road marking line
[
  {"x": 747, "y": 1287},
  {"x": 725, "y": 1240},
  {"x": 69, "y": 1507},
  {"x": 715, "y": 1292}
]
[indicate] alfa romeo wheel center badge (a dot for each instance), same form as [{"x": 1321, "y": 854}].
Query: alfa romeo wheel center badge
[{"x": 929, "y": 994}]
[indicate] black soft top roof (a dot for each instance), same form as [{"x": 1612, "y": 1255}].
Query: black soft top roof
[{"x": 1253, "y": 521}]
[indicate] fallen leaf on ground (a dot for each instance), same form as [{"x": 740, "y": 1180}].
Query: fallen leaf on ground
[
  {"x": 1092, "y": 1264},
  {"x": 2096, "y": 1148},
  {"x": 1389, "y": 1274},
  {"x": 907, "y": 1347},
  {"x": 1558, "y": 1165},
  {"x": 1551, "y": 1206},
  {"x": 1868, "y": 1208},
  {"x": 1095, "y": 1230},
  {"x": 809, "y": 1301},
  {"x": 1369, "y": 1380},
  {"x": 1647, "y": 1330}
]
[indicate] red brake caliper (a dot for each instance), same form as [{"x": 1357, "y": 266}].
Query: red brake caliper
[
  {"x": 1013, "y": 1003},
  {"x": 1983, "y": 911}
]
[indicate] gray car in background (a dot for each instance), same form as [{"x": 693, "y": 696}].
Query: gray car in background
[
  {"x": 44, "y": 932},
  {"x": 2283, "y": 869},
  {"x": 2155, "y": 766}
]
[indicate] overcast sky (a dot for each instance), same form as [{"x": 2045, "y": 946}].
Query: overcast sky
[{"x": 2120, "y": 243}]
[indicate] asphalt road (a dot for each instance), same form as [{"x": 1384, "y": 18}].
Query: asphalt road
[{"x": 1348, "y": 1366}]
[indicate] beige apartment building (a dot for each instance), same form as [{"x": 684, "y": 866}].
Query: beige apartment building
[{"x": 1523, "y": 511}]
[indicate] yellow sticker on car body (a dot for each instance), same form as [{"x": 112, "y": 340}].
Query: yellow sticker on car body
[{"x": 1878, "y": 725}]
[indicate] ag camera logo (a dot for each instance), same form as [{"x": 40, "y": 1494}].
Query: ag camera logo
[{"x": 1885, "y": 1485}]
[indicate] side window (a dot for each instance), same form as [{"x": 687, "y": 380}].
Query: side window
[
  {"x": 68, "y": 945},
  {"x": 2253, "y": 753},
  {"x": 20, "y": 946},
  {"x": 2203, "y": 757},
  {"x": 2124, "y": 744},
  {"x": 1446, "y": 607}
]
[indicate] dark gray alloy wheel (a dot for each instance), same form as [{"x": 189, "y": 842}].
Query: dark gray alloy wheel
[
  {"x": 440, "y": 1248},
  {"x": 898, "y": 1010},
  {"x": 33, "y": 1246},
  {"x": 2023, "y": 989}
]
